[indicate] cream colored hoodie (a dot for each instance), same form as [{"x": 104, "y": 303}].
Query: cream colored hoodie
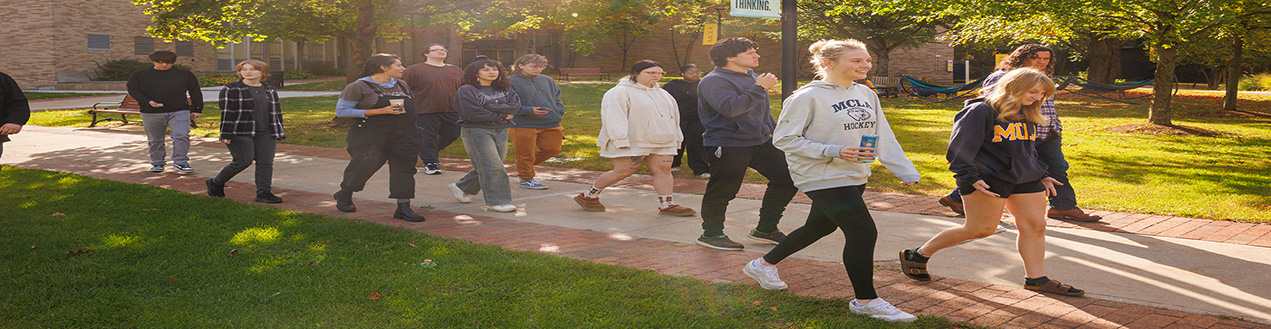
[
  {"x": 633, "y": 115},
  {"x": 821, "y": 118}
]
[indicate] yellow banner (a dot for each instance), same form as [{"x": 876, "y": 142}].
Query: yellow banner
[{"x": 709, "y": 32}]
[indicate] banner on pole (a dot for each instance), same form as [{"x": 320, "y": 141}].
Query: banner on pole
[
  {"x": 709, "y": 33},
  {"x": 756, "y": 8}
]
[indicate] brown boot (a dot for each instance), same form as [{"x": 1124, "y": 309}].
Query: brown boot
[
  {"x": 1074, "y": 214},
  {"x": 952, "y": 204},
  {"x": 589, "y": 204},
  {"x": 677, "y": 210}
]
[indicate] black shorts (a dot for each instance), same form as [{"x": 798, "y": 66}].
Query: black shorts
[{"x": 1005, "y": 189}]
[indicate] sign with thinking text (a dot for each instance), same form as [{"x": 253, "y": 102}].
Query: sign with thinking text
[{"x": 756, "y": 8}]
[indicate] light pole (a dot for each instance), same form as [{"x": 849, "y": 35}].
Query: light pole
[
  {"x": 719, "y": 19},
  {"x": 789, "y": 47}
]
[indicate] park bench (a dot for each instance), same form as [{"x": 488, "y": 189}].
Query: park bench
[
  {"x": 128, "y": 106},
  {"x": 567, "y": 73},
  {"x": 885, "y": 86}
]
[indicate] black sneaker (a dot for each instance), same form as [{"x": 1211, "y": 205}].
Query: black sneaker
[
  {"x": 771, "y": 237},
  {"x": 431, "y": 169},
  {"x": 267, "y": 197},
  {"x": 719, "y": 242},
  {"x": 214, "y": 189}
]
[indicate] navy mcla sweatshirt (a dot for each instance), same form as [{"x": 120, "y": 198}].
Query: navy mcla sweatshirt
[{"x": 982, "y": 147}]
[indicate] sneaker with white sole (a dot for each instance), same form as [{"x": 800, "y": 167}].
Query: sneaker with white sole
[
  {"x": 459, "y": 194},
  {"x": 533, "y": 184},
  {"x": 431, "y": 168},
  {"x": 773, "y": 237},
  {"x": 156, "y": 168},
  {"x": 185, "y": 169},
  {"x": 502, "y": 208},
  {"x": 704, "y": 176},
  {"x": 882, "y": 310},
  {"x": 765, "y": 275},
  {"x": 720, "y": 242}
]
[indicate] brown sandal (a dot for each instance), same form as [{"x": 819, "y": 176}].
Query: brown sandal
[
  {"x": 913, "y": 270},
  {"x": 1053, "y": 286}
]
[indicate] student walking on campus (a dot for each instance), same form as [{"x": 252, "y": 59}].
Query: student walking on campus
[
  {"x": 733, "y": 106},
  {"x": 14, "y": 109},
  {"x": 384, "y": 129},
  {"x": 487, "y": 104},
  {"x": 639, "y": 124},
  {"x": 822, "y": 130},
  {"x": 433, "y": 84},
  {"x": 537, "y": 124},
  {"x": 995, "y": 164},
  {"x": 161, "y": 92},
  {"x": 251, "y": 126},
  {"x": 685, "y": 93},
  {"x": 1063, "y": 204}
]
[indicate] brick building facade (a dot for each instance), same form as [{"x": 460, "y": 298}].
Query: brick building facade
[{"x": 62, "y": 41}]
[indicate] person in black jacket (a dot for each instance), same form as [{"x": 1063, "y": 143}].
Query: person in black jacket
[
  {"x": 251, "y": 126},
  {"x": 161, "y": 92},
  {"x": 14, "y": 110},
  {"x": 685, "y": 93},
  {"x": 994, "y": 161}
]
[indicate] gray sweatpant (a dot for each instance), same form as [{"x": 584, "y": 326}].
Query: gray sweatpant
[{"x": 157, "y": 124}]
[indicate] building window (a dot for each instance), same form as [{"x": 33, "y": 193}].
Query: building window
[
  {"x": 98, "y": 42},
  {"x": 142, "y": 45},
  {"x": 185, "y": 48}
]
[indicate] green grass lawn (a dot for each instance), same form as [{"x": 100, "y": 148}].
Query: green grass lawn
[
  {"x": 1222, "y": 177},
  {"x": 166, "y": 259},
  {"x": 334, "y": 85},
  {"x": 38, "y": 95}
]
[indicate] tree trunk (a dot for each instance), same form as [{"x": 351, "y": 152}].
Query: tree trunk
[
  {"x": 300, "y": 55},
  {"x": 1105, "y": 61},
  {"x": 1233, "y": 73},
  {"x": 360, "y": 43},
  {"x": 1213, "y": 77},
  {"x": 1163, "y": 88},
  {"x": 882, "y": 59}
]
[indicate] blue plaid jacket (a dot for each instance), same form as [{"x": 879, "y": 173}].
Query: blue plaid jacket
[
  {"x": 1048, "y": 108},
  {"x": 236, "y": 111}
]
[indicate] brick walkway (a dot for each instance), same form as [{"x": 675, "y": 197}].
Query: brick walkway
[
  {"x": 1143, "y": 224},
  {"x": 976, "y": 303}
]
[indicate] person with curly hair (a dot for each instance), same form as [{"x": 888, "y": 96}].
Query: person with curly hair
[{"x": 487, "y": 103}]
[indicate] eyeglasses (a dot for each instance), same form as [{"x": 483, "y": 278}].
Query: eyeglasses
[
  {"x": 698, "y": 73},
  {"x": 437, "y": 49},
  {"x": 533, "y": 66}
]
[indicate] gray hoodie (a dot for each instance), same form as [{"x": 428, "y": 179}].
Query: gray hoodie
[
  {"x": 537, "y": 91},
  {"x": 819, "y": 120}
]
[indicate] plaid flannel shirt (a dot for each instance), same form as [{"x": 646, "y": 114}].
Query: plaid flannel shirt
[
  {"x": 236, "y": 111},
  {"x": 1048, "y": 108}
]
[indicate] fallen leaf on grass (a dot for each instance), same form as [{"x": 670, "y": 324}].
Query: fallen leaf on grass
[
  {"x": 32, "y": 247},
  {"x": 77, "y": 251},
  {"x": 233, "y": 252},
  {"x": 146, "y": 209},
  {"x": 57, "y": 214},
  {"x": 774, "y": 308},
  {"x": 757, "y": 302},
  {"x": 172, "y": 277},
  {"x": 375, "y": 295},
  {"x": 412, "y": 245},
  {"x": 310, "y": 263}
]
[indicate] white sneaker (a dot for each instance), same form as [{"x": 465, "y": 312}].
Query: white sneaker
[
  {"x": 765, "y": 275},
  {"x": 502, "y": 208},
  {"x": 704, "y": 176},
  {"x": 881, "y": 309},
  {"x": 459, "y": 194}
]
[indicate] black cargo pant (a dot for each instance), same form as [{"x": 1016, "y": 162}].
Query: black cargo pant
[
  {"x": 371, "y": 143},
  {"x": 728, "y": 170}
]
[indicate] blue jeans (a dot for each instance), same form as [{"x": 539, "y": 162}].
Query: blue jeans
[
  {"x": 156, "y": 124},
  {"x": 1050, "y": 151},
  {"x": 486, "y": 148}
]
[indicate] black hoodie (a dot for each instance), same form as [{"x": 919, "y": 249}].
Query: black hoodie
[{"x": 981, "y": 147}]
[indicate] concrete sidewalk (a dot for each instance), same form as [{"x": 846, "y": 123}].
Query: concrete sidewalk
[{"x": 1131, "y": 279}]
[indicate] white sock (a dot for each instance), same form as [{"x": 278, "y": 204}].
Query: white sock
[
  {"x": 593, "y": 192},
  {"x": 664, "y": 201}
]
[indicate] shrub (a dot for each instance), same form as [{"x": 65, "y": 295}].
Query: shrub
[
  {"x": 1256, "y": 82},
  {"x": 297, "y": 75},
  {"x": 120, "y": 69},
  {"x": 216, "y": 80}
]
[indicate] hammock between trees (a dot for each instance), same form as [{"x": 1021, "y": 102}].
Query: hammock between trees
[{"x": 910, "y": 87}]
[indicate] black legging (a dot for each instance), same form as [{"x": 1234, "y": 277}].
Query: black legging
[{"x": 838, "y": 208}]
